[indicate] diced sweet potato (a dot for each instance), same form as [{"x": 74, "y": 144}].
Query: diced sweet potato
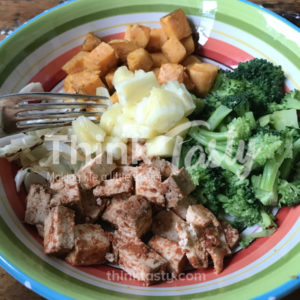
[
  {"x": 169, "y": 72},
  {"x": 191, "y": 59},
  {"x": 103, "y": 58},
  {"x": 156, "y": 72},
  {"x": 157, "y": 39},
  {"x": 188, "y": 82},
  {"x": 174, "y": 50},
  {"x": 108, "y": 79},
  {"x": 114, "y": 98},
  {"x": 85, "y": 82},
  {"x": 176, "y": 24},
  {"x": 91, "y": 42},
  {"x": 188, "y": 44},
  {"x": 123, "y": 48},
  {"x": 203, "y": 76},
  {"x": 158, "y": 59},
  {"x": 75, "y": 64},
  {"x": 139, "y": 59},
  {"x": 138, "y": 34}
]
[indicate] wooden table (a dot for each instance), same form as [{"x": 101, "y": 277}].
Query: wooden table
[{"x": 13, "y": 13}]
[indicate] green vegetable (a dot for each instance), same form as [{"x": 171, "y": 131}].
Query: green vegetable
[
  {"x": 291, "y": 100},
  {"x": 289, "y": 193},
  {"x": 247, "y": 240},
  {"x": 284, "y": 118}
]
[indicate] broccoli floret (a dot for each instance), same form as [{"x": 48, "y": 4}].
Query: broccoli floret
[
  {"x": 200, "y": 104},
  {"x": 291, "y": 100},
  {"x": 289, "y": 193},
  {"x": 247, "y": 240}
]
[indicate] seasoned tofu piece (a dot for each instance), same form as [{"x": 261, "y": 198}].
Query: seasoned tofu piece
[
  {"x": 203, "y": 75},
  {"x": 178, "y": 186},
  {"x": 95, "y": 171},
  {"x": 200, "y": 216},
  {"x": 125, "y": 171},
  {"x": 231, "y": 234},
  {"x": 158, "y": 59},
  {"x": 138, "y": 34},
  {"x": 183, "y": 205},
  {"x": 123, "y": 48},
  {"x": 139, "y": 260},
  {"x": 91, "y": 42},
  {"x": 148, "y": 184},
  {"x": 67, "y": 192},
  {"x": 91, "y": 246},
  {"x": 157, "y": 39},
  {"x": 188, "y": 44},
  {"x": 59, "y": 231},
  {"x": 84, "y": 82},
  {"x": 136, "y": 151},
  {"x": 114, "y": 187},
  {"x": 139, "y": 59},
  {"x": 176, "y": 24},
  {"x": 173, "y": 50},
  {"x": 92, "y": 207},
  {"x": 37, "y": 204},
  {"x": 132, "y": 216},
  {"x": 164, "y": 225},
  {"x": 170, "y": 251},
  {"x": 108, "y": 79},
  {"x": 40, "y": 230},
  {"x": 171, "y": 72},
  {"x": 165, "y": 167},
  {"x": 75, "y": 64},
  {"x": 191, "y": 59}
]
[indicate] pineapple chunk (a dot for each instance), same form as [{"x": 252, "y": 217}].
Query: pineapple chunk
[
  {"x": 180, "y": 90},
  {"x": 134, "y": 89},
  {"x": 129, "y": 110},
  {"x": 160, "y": 111},
  {"x": 181, "y": 128},
  {"x": 116, "y": 147},
  {"x": 121, "y": 74},
  {"x": 161, "y": 145},
  {"x": 109, "y": 118}
]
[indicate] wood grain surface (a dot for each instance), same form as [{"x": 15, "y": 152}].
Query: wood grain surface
[{"x": 14, "y": 13}]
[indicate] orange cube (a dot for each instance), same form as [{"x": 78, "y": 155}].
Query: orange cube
[
  {"x": 191, "y": 59},
  {"x": 190, "y": 86},
  {"x": 75, "y": 64},
  {"x": 122, "y": 48},
  {"x": 108, "y": 79},
  {"x": 138, "y": 34},
  {"x": 114, "y": 98},
  {"x": 170, "y": 72},
  {"x": 158, "y": 59},
  {"x": 102, "y": 58},
  {"x": 174, "y": 50},
  {"x": 157, "y": 38},
  {"x": 139, "y": 59},
  {"x": 188, "y": 44},
  {"x": 176, "y": 25},
  {"x": 203, "y": 76},
  {"x": 91, "y": 42},
  {"x": 156, "y": 72}
]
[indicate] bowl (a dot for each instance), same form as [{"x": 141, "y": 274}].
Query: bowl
[{"x": 230, "y": 32}]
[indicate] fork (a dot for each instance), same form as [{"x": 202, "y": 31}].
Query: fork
[{"x": 39, "y": 110}]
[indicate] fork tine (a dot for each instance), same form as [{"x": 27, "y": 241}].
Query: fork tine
[{"x": 41, "y": 106}]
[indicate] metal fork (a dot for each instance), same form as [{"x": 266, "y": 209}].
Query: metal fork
[{"x": 30, "y": 111}]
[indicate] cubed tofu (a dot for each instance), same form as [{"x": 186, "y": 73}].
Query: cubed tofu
[
  {"x": 170, "y": 72},
  {"x": 139, "y": 59},
  {"x": 217, "y": 255},
  {"x": 191, "y": 59},
  {"x": 231, "y": 234},
  {"x": 123, "y": 48},
  {"x": 203, "y": 76},
  {"x": 84, "y": 82},
  {"x": 183, "y": 205},
  {"x": 95, "y": 171},
  {"x": 125, "y": 171},
  {"x": 138, "y": 34},
  {"x": 158, "y": 59},
  {"x": 40, "y": 230},
  {"x": 200, "y": 216},
  {"x": 59, "y": 231},
  {"x": 114, "y": 98},
  {"x": 109, "y": 78},
  {"x": 114, "y": 187},
  {"x": 188, "y": 44},
  {"x": 165, "y": 167},
  {"x": 176, "y": 25},
  {"x": 67, "y": 192},
  {"x": 91, "y": 42},
  {"x": 37, "y": 204},
  {"x": 157, "y": 39},
  {"x": 164, "y": 225},
  {"x": 75, "y": 64},
  {"x": 173, "y": 50},
  {"x": 178, "y": 186},
  {"x": 170, "y": 251},
  {"x": 92, "y": 207},
  {"x": 139, "y": 260},
  {"x": 103, "y": 58},
  {"x": 132, "y": 216},
  {"x": 136, "y": 151},
  {"x": 148, "y": 184},
  {"x": 91, "y": 246}
]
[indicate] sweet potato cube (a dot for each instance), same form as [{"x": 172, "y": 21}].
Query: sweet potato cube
[
  {"x": 157, "y": 39},
  {"x": 170, "y": 72},
  {"x": 114, "y": 98},
  {"x": 108, "y": 79},
  {"x": 91, "y": 42},
  {"x": 75, "y": 64},
  {"x": 85, "y": 82},
  {"x": 188, "y": 44},
  {"x": 102, "y": 58},
  {"x": 190, "y": 86},
  {"x": 203, "y": 76},
  {"x": 138, "y": 34},
  {"x": 191, "y": 59},
  {"x": 176, "y": 25},
  {"x": 174, "y": 50},
  {"x": 123, "y": 48},
  {"x": 156, "y": 72},
  {"x": 158, "y": 59},
  {"x": 139, "y": 59}
]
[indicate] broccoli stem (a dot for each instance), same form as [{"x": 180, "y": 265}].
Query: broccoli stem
[
  {"x": 218, "y": 116},
  {"x": 217, "y": 136}
]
